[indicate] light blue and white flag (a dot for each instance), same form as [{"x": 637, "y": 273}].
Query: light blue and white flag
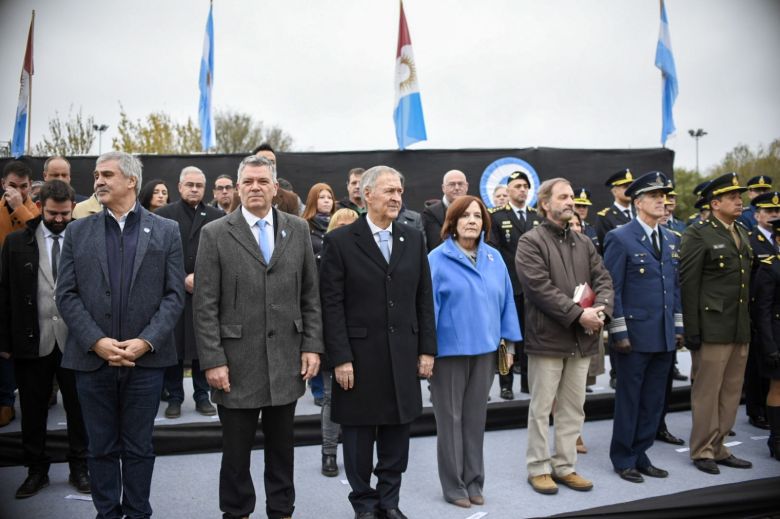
[
  {"x": 408, "y": 115},
  {"x": 25, "y": 87},
  {"x": 665, "y": 62},
  {"x": 206, "y": 83}
]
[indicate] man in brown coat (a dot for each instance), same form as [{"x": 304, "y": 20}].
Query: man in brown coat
[{"x": 560, "y": 335}]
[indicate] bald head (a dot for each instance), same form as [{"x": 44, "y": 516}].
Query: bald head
[
  {"x": 56, "y": 168},
  {"x": 454, "y": 184}
]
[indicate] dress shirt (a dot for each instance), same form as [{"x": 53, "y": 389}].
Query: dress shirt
[
  {"x": 649, "y": 231},
  {"x": 121, "y": 221},
  {"x": 251, "y": 220},
  {"x": 517, "y": 210},
  {"x": 375, "y": 232},
  {"x": 624, "y": 209},
  {"x": 47, "y": 238}
]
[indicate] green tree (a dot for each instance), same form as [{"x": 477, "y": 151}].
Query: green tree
[
  {"x": 238, "y": 132},
  {"x": 158, "y": 134},
  {"x": 684, "y": 182},
  {"x": 73, "y": 136},
  {"x": 765, "y": 160}
]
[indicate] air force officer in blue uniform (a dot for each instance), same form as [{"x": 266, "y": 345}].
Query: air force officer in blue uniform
[{"x": 642, "y": 257}]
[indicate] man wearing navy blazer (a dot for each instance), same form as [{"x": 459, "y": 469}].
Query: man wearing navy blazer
[
  {"x": 120, "y": 290},
  {"x": 642, "y": 257},
  {"x": 379, "y": 330}
]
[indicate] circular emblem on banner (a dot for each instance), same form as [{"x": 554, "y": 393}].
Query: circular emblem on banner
[{"x": 496, "y": 174}]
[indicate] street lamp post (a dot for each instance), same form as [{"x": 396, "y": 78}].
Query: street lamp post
[
  {"x": 697, "y": 134},
  {"x": 100, "y": 128}
]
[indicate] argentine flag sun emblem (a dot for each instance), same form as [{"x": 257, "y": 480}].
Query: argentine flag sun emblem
[{"x": 408, "y": 115}]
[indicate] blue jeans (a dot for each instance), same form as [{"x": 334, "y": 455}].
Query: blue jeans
[
  {"x": 7, "y": 382},
  {"x": 317, "y": 386},
  {"x": 174, "y": 382},
  {"x": 119, "y": 406}
]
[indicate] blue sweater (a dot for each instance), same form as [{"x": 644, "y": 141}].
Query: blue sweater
[{"x": 474, "y": 306}]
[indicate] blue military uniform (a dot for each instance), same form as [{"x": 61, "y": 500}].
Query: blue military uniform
[
  {"x": 760, "y": 184},
  {"x": 648, "y": 313}
]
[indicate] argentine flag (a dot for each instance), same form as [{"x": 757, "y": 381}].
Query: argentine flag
[
  {"x": 665, "y": 63},
  {"x": 205, "y": 84},
  {"x": 408, "y": 115}
]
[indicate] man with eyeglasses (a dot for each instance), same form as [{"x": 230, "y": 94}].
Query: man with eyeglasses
[
  {"x": 453, "y": 185},
  {"x": 191, "y": 214},
  {"x": 223, "y": 193}
]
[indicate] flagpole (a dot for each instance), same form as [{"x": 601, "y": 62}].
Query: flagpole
[{"x": 29, "y": 100}]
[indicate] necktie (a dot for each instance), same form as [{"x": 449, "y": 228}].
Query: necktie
[
  {"x": 55, "y": 255},
  {"x": 735, "y": 235},
  {"x": 384, "y": 244},
  {"x": 656, "y": 247},
  {"x": 265, "y": 247},
  {"x": 627, "y": 212},
  {"x": 521, "y": 217}
]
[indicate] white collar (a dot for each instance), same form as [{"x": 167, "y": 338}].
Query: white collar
[
  {"x": 649, "y": 230},
  {"x": 375, "y": 228},
  {"x": 251, "y": 219},
  {"x": 623, "y": 209},
  {"x": 767, "y": 234},
  {"x": 515, "y": 209}
]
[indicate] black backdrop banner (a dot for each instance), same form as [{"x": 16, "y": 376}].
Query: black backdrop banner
[{"x": 423, "y": 169}]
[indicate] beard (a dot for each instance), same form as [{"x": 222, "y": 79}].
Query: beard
[{"x": 55, "y": 227}]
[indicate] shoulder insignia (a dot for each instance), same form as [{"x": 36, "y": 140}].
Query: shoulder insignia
[
  {"x": 678, "y": 234},
  {"x": 531, "y": 209},
  {"x": 603, "y": 212},
  {"x": 493, "y": 209},
  {"x": 760, "y": 237},
  {"x": 769, "y": 260}
]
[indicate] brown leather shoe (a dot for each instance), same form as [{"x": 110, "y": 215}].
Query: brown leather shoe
[
  {"x": 581, "y": 448},
  {"x": 574, "y": 481},
  {"x": 477, "y": 500},
  {"x": 462, "y": 502},
  {"x": 7, "y": 414},
  {"x": 543, "y": 484}
]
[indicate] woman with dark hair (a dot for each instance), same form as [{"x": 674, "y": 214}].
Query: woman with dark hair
[
  {"x": 154, "y": 195},
  {"x": 475, "y": 310},
  {"x": 320, "y": 204}
]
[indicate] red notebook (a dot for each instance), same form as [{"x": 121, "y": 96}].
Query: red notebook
[{"x": 584, "y": 295}]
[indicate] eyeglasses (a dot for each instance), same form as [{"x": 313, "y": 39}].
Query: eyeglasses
[
  {"x": 455, "y": 184},
  {"x": 196, "y": 185},
  {"x": 223, "y": 188}
]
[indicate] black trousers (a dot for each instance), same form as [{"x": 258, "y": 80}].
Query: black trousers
[
  {"x": 236, "y": 489},
  {"x": 34, "y": 380},
  {"x": 392, "y": 447},
  {"x": 756, "y": 387}
]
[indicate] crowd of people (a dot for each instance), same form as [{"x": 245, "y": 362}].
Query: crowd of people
[{"x": 259, "y": 293}]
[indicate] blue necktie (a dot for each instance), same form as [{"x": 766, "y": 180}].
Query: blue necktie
[
  {"x": 265, "y": 248},
  {"x": 384, "y": 244}
]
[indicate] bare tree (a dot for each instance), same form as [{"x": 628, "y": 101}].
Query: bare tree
[
  {"x": 73, "y": 136},
  {"x": 238, "y": 132}
]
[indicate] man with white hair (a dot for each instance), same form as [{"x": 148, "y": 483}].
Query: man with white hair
[
  {"x": 453, "y": 185},
  {"x": 191, "y": 214}
]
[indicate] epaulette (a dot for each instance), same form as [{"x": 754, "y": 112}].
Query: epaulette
[
  {"x": 531, "y": 209},
  {"x": 769, "y": 260},
  {"x": 693, "y": 216},
  {"x": 494, "y": 209},
  {"x": 702, "y": 222},
  {"x": 676, "y": 233},
  {"x": 603, "y": 212}
]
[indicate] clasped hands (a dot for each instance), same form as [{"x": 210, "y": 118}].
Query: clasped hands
[
  {"x": 345, "y": 373},
  {"x": 120, "y": 353},
  {"x": 592, "y": 319}
]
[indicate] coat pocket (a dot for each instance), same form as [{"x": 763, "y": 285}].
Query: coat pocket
[
  {"x": 712, "y": 304},
  {"x": 230, "y": 331},
  {"x": 636, "y": 314},
  {"x": 298, "y": 325}
]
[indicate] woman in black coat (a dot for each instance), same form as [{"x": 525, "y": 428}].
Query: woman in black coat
[
  {"x": 767, "y": 322},
  {"x": 320, "y": 204}
]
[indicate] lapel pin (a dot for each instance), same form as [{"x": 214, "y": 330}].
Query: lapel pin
[
  {"x": 284, "y": 233},
  {"x": 203, "y": 214},
  {"x": 401, "y": 238},
  {"x": 147, "y": 230}
]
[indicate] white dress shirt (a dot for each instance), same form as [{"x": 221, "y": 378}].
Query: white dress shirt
[
  {"x": 375, "y": 231},
  {"x": 251, "y": 220}
]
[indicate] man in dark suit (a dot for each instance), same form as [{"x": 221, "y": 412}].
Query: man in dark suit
[
  {"x": 191, "y": 214},
  {"x": 120, "y": 290},
  {"x": 380, "y": 336},
  {"x": 259, "y": 335},
  {"x": 508, "y": 224},
  {"x": 453, "y": 185},
  {"x": 646, "y": 326},
  {"x": 619, "y": 213},
  {"x": 715, "y": 279},
  {"x": 34, "y": 334},
  {"x": 756, "y": 186}
]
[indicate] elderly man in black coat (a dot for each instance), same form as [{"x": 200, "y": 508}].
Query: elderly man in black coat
[
  {"x": 192, "y": 214},
  {"x": 379, "y": 329}
]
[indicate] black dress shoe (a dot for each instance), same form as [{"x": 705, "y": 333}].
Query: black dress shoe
[
  {"x": 676, "y": 375},
  {"x": 32, "y": 485},
  {"x": 759, "y": 421},
  {"x": 734, "y": 462},
  {"x": 707, "y": 465},
  {"x": 631, "y": 475},
  {"x": 173, "y": 410},
  {"x": 732, "y": 433},
  {"x": 653, "y": 472},
  {"x": 613, "y": 382},
  {"x": 506, "y": 394},
  {"x": 366, "y": 515},
  {"x": 329, "y": 466},
  {"x": 80, "y": 481},
  {"x": 393, "y": 513},
  {"x": 205, "y": 408},
  {"x": 667, "y": 437}
]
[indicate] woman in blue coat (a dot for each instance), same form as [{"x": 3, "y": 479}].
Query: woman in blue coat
[{"x": 474, "y": 310}]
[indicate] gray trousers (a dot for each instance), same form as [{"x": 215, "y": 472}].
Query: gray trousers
[
  {"x": 330, "y": 430},
  {"x": 460, "y": 387}
]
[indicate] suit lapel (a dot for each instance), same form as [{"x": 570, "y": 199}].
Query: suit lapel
[
  {"x": 642, "y": 238},
  {"x": 198, "y": 220},
  {"x": 99, "y": 234},
  {"x": 282, "y": 237},
  {"x": 145, "y": 230},
  {"x": 399, "y": 246},
  {"x": 44, "y": 262},
  {"x": 241, "y": 232},
  {"x": 365, "y": 241}
]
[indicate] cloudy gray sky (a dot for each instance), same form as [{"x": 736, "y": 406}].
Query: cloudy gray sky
[{"x": 494, "y": 73}]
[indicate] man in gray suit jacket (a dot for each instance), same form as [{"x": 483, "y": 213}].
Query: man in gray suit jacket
[
  {"x": 258, "y": 331},
  {"x": 120, "y": 290}
]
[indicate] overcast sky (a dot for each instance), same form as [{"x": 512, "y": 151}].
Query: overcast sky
[{"x": 494, "y": 73}]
